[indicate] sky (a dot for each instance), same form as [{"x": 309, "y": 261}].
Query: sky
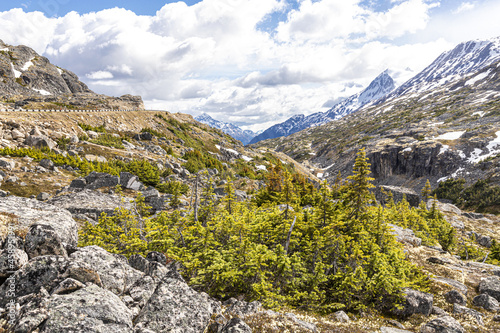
[{"x": 253, "y": 63}]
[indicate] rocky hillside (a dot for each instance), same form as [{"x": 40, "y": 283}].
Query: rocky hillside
[
  {"x": 377, "y": 89},
  {"x": 30, "y": 81},
  {"x": 450, "y": 131}
]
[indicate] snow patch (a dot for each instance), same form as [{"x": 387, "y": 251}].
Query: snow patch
[
  {"x": 478, "y": 77},
  {"x": 328, "y": 167},
  {"x": 27, "y": 65},
  {"x": 4, "y": 49},
  {"x": 493, "y": 149},
  {"x": 407, "y": 149},
  {"x": 246, "y": 158},
  {"x": 450, "y": 135},
  {"x": 43, "y": 92},
  {"x": 60, "y": 70},
  {"x": 232, "y": 151},
  {"x": 436, "y": 124},
  {"x": 319, "y": 175},
  {"x": 17, "y": 74},
  {"x": 444, "y": 149},
  {"x": 217, "y": 146},
  {"x": 479, "y": 113},
  {"x": 261, "y": 167}
]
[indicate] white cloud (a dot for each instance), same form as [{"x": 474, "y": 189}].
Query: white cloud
[
  {"x": 212, "y": 57},
  {"x": 464, "y": 6},
  {"x": 100, "y": 75}
]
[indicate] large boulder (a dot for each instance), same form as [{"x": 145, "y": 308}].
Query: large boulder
[
  {"x": 491, "y": 286},
  {"x": 11, "y": 260},
  {"x": 31, "y": 211},
  {"x": 405, "y": 236},
  {"x": 176, "y": 307},
  {"x": 43, "y": 240},
  {"x": 459, "y": 309},
  {"x": 415, "y": 302},
  {"x": 45, "y": 271},
  {"x": 115, "y": 273},
  {"x": 90, "y": 203},
  {"x": 130, "y": 181},
  {"x": 236, "y": 325},
  {"x": 486, "y": 302},
  {"x": 445, "y": 324},
  {"x": 97, "y": 180},
  {"x": 454, "y": 296},
  {"x": 40, "y": 141},
  {"x": 90, "y": 309}
]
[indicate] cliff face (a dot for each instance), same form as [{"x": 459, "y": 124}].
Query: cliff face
[{"x": 29, "y": 80}]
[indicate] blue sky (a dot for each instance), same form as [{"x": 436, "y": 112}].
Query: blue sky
[{"x": 250, "y": 62}]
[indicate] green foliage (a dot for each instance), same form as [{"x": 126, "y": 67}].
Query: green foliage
[
  {"x": 63, "y": 142},
  {"x": 153, "y": 132},
  {"x": 314, "y": 258},
  {"x": 173, "y": 187},
  {"x": 109, "y": 140},
  {"x": 482, "y": 196},
  {"x": 99, "y": 129},
  {"x": 197, "y": 161},
  {"x": 494, "y": 255}
]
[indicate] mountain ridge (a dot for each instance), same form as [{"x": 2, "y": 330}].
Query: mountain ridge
[
  {"x": 232, "y": 130},
  {"x": 379, "y": 87}
]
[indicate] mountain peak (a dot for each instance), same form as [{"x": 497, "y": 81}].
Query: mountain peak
[{"x": 232, "y": 130}]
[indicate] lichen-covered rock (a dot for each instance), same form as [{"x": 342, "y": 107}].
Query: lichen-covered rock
[
  {"x": 415, "y": 302},
  {"x": 39, "y": 141},
  {"x": 45, "y": 271},
  {"x": 236, "y": 325},
  {"x": 385, "y": 329},
  {"x": 83, "y": 272},
  {"x": 459, "y": 309},
  {"x": 486, "y": 302},
  {"x": 88, "y": 202},
  {"x": 445, "y": 324},
  {"x": 115, "y": 273},
  {"x": 175, "y": 307},
  {"x": 241, "y": 308},
  {"x": 67, "y": 286},
  {"x": 405, "y": 236},
  {"x": 341, "y": 317},
  {"x": 490, "y": 286},
  {"x": 155, "y": 256},
  {"x": 43, "y": 240},
  {"x": 454, "y": 296},
  {"x": 309, "y": 326},
  {"x": 90, "y": 309},
  {"x": 31, "y": 211},
  {"x": 398, "y": 193},
  {"x": 130, "y": 181},
  {"x": 11, "y": 260},
  {"x": 97, "y": 180}
]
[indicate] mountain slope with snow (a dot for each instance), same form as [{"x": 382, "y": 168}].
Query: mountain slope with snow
[
  {"x": 232, "y": 130},
  {"x": 378, "y": 88}
]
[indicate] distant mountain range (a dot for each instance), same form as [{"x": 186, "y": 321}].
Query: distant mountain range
[
  {"x": 378, "y": 88},
  {"x": 443, "y": 123},
  {"x": 232, "y": 130}
]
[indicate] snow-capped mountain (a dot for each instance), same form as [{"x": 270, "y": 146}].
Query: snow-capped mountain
[
  {"x": 232, "y": 130},
  {"x": 465, "y": 58},
  {"x": 378, "y": 88}
]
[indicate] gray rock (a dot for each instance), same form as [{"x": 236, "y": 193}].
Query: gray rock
[
  {"x": 309, "y": 326},
  {"x": 444, "y": 207},
  {"x": 83, "y": 272},
  {"x": 40, "y": 141},
  {"x": 43, "y": 240},
  {"x": 7, "y": 164},
  {"x": 236, "y": 325},
  {"x": 439, "y": 261},
  {"x": 143, "y": 289},
  {"x": 78, "y": 183},
  {"x": 115, "y": 273},
  {"x": 385, "y": 329},
  {"x": 45, "y": 271},
  {"x": 92, "y": 134},
  {"x": 242, "y": 308},
  {"x": 459, "y": 309},
  {"x": 13, "y": 241},
  {"x": 47, "y": 164},
  {"x": 67, "y": 286},
  {"x": 89, "y": 202},
  {"x": 30, "y": 211},
  {"x": 486, "y": 302},
  {"x": 73, "y": 139},
  {"x": 11, "y": 260},
  {"x": 150, "y": 192},
  {"x": 484, "y": 241},
  {"x": 491, "y": 286},
  {"x": 130, "y": 181},
  {"x": 42, "y": 196},
  {"x": 452, "y": 283},
  {"x": 175, "y": 307},
  {"x": 454, "y": 296},
  {"x": 16, "y": 134},
  {"x": 90, "y": 309},
  {"x": 97, "y": 180},
  {"x": 446, "y": 324},
  {"x": 496, "y": 318},
  {"x": 341, "y": 317},
  {"x": 405, "y": 236},
  {"x": 157, "y": 257},
  {"x": 438, "y": 311},
  {"x": 415, "y": 302}
]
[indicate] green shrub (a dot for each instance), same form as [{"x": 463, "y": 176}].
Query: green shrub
[{"x": 109, "y": 140}]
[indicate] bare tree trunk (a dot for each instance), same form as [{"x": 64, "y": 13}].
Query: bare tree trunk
[
  {"x": 287, "y": 244},
  {"x": 196, "y": 197}
]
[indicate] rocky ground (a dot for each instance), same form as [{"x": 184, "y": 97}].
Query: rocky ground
[{"x": 63, "y": 288}]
